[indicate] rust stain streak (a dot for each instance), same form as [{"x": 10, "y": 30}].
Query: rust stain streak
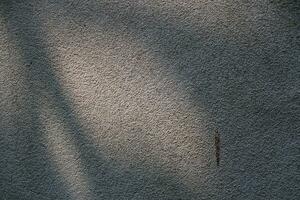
[{"x": 217, "y": 146}]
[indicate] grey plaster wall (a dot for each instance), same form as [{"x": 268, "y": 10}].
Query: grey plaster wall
[{"x": 107, "y": 99}]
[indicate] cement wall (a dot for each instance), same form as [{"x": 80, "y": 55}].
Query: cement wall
[{"x": 106, "y": 99}]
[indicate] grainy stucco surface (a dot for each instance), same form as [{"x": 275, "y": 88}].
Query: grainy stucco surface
[{"x": 107, "y": 99}]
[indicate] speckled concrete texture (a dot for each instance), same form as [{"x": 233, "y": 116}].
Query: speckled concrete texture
[{"x": 120, "y": 99}]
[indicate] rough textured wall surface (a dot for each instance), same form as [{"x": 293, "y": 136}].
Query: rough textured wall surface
[{"x": 120, "y": 99}]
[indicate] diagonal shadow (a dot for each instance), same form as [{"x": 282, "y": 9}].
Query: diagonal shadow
[
  {"x": 243, "y": 113},
  {"x": 107, "y": 179}
]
